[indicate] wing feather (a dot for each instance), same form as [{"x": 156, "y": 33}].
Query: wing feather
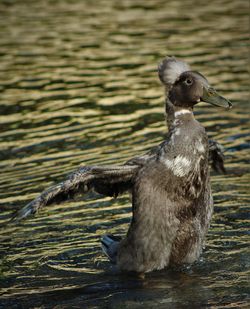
[{"x": 81, "y": 181}]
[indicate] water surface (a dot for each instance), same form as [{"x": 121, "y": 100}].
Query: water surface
[{"x": 78, "y": 86}]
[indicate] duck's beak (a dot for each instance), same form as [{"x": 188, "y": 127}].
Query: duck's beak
[{"x": 211, "y": 96}]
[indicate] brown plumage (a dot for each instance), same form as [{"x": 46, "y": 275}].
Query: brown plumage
[{"x": 172, "y": 200}]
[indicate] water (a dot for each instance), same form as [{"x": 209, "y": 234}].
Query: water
[{"x": 78, "y": 86}]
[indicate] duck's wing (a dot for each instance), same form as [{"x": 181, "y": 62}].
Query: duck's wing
[
  {"x": 106, "y": 180},
  {"x": 216, "y": 156}
]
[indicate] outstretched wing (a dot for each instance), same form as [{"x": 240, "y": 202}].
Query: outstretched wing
[{"x": 107, "y": 180}]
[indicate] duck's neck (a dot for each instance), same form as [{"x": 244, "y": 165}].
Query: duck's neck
[
  {"x": 169, "y": 109},
  {"x": 175, "y": 112}
]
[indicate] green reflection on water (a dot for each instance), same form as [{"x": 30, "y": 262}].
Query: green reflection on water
[{"x": 79, "y": 86}]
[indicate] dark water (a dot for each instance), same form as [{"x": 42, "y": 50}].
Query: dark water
[{"x": 78, "y": 86}]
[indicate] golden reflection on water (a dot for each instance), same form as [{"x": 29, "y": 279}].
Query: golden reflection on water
[{"x": 78, "y": 86}]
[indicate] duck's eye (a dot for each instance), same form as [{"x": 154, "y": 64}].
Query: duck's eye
[{"x": 188, "y": 81}]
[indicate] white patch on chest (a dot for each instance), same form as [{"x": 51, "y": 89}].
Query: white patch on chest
[{"x": 180, "y": 166}]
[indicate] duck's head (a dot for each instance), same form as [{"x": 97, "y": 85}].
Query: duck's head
[{"x": 185, "y": 87}]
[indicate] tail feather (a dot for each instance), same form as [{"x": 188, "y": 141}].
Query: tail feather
[{"x": 110, "y": 246}]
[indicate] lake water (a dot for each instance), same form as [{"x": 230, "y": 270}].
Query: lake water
[{"x": 78, "y": 86}]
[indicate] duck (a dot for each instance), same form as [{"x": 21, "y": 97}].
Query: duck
[{"x": 172, "y": 203}]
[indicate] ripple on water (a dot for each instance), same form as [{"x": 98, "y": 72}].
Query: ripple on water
[{"x": 78, "y": 86}]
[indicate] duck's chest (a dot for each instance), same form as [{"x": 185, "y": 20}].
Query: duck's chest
[{"x": 185, "y": 150}]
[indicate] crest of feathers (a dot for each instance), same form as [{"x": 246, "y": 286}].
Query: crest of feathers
[{"x": 170, "y": 69}]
